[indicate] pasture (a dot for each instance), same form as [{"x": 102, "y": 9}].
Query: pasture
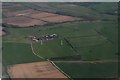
[
  {"x": 98, "y": 11},
  {"x": 17, "y": 53},
  {"x": 53, "y": 49},
  {"x": 92, "y": 40},
  {"x": 90, "y": 70}
]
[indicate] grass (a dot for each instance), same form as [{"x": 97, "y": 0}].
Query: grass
[
  {"x": 65, "y": 30},
  {"x": 53, "y": 49},
  {"x": 88, "y": 70},
  {"x": 96, "y": 40},
  {"x": 91, "y": 11},
  {"x": 75, "y": 10},
  {"x": 106, "y": 7},
  {"x": 87, "y": 41},
  {"x": 103, "y": 44},
  {"x": 102, "y": 52},
  {"x": 18, "y": 53},
  {"x": 18, "y": 8}
]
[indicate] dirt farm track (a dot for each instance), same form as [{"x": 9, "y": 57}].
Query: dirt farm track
[{"x": 35, "y": 70}]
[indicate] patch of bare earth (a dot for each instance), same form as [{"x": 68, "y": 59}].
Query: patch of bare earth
[
  {"x": 35, "y": 70},
  {"x": 32, "y": 17},
  {"x": 59, "y": 18},
  {"x": 19, "y": 13},
  {"x": 22, "y": 21},
  {"x": 40, "y": 15}
]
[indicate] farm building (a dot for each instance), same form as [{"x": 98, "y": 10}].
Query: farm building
[{"x": 44, "y": 37}]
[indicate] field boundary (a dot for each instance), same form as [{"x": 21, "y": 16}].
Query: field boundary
[
  {"x": 34, "y": 52},
  {"x": 58, "y": 68},
  {"x": 101, "y": 61},
  {"x": 50, "y": 70},
  {"x": 103, "y": 36},
  {"x": 51, "y": 62},
  {"x": 69, "y": 43}
]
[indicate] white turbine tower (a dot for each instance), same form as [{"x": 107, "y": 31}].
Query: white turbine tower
[
  {"x": 61, "y": 42},
  {"x": 41, "y": 42}
]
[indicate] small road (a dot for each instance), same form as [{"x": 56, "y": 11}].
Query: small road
[{"x": 34, "y": 52}]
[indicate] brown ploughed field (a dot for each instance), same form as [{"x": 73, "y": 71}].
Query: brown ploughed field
[
  {"x": 19, "y": 13},
  {"x": 22, "y": 21},
  {"x": 32, "y": 17},
  {"x": 40, "y": 15},
  {"x": 35, "y": 70},
  {"x": 59, "y": 18}
]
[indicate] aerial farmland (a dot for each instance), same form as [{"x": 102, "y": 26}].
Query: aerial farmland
[{"x": 61, "y": 41}]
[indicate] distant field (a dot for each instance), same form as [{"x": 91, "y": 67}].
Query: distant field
[
  {"x": 87, "y": 38},
  {"x": 90, "y": 70},
  {"x": 53, "y": 49},
  {"x": 89, "y": 11},
  {"x": 31, "y": 17},
  {"x": 106, "y": 7},
  {"x": 16, "y": 53},
  {"x": 22, "y": 21},
  {"x": 16, "y": 8},
  {"x": 73, "y": 29}
]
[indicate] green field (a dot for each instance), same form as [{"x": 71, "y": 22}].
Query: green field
[
  {"x": 18, "y": 53},
  {"x": 88, "y": 70},
  {"x": 93, "y": 41},
  {"x": 98, "y": 11},
  {"x": 53, "y": 49},
  {"x": 17, "y": 8},
  {"x": 87, "y": 38},
  {"x": 74, "y": 29},
  {"x": 105, "y": 7}
]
